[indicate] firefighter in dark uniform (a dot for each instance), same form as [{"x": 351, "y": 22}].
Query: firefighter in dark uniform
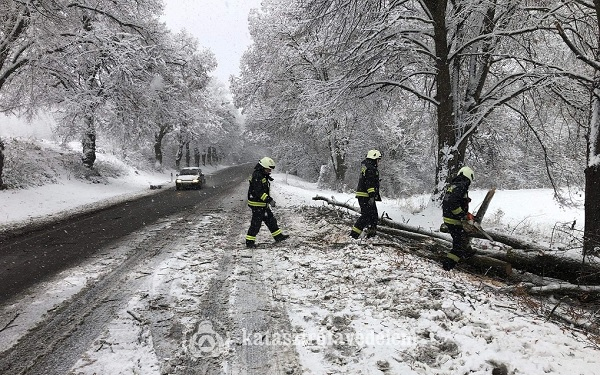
[
  {"x": 455, "y": 209},
  {"x": 367, "y": 193},
  {"x": 260, "y": 200}
]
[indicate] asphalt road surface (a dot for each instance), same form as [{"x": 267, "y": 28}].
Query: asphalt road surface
[
  {"x": 176, "y": 277},
  {"x": 33, "y": 255}
]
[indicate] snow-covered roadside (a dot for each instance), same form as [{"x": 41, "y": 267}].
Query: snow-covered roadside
[
  {"x": 69, "y": 195},
  {"x": 56, "y": 201},
  {"x": 362, "y": 307}
]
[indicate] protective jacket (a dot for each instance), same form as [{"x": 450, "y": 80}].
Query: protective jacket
[
  {"x": 368, "y": 182},
  {"x": 455, "y": 204},
  {"x": 259, "y": 189}
]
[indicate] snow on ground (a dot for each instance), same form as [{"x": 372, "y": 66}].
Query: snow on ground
[
  {"x": 377, "y": 308},
  {"x": 355, "y": 307},
  {"x": 359, "y": 308}
]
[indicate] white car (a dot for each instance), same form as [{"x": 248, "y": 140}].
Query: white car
[{"x": 190, "y": 177}]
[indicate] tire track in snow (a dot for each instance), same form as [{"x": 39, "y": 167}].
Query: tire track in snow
[
  {"x": 54, "y": 345},
  {"x": 235, "y": 309},
  {"x": 265, "y": 342}
]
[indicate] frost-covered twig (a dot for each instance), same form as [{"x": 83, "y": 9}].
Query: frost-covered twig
[{"x": 7, "y": 325}]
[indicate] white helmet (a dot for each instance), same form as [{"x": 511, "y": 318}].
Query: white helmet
[
  {"x": 267, "y": 162},
  {"x": 467, "y": 172},
  {"x": 374, "y": 154}
]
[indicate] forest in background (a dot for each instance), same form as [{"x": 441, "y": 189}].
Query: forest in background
[
  {"x": 114, "y": 77},
  {"x": 348, "y": 76}
]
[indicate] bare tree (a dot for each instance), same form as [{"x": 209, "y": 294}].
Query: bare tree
[
  {"x": 69, "y": 58},
  {"x": 465, "y": 59},
  {"x": 15, "y": 19},
  {"x": 105, "y": 47},
  {"x": 285, "y": 92},
  {"x": 182, "y": 104},
  {"x": 581, "y": 33}
]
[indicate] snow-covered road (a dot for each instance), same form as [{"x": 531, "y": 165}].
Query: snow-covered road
[{"x": 184, "y": 296}]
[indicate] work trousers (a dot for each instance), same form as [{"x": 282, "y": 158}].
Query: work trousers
[
  {"x": 368, "y": 215},
  {"x": 260, "y": 215},
  {"x": 460, "y": 241}
]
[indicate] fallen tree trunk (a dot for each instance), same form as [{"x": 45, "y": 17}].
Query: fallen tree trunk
[
  {"x": 520, "y": 254},
  {"x": 437, "y": 249},
  {"x": 498, "y": 237}
]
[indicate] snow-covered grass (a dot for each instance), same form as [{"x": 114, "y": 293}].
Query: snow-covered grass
[{"x": 354, "y": 307}]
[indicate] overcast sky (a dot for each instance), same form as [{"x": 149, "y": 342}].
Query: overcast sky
[{"x": 220, "y": 25}]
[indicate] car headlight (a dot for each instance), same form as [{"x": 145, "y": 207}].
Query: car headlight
[
  {"x": 178, "y": 180},
  {"x": 196, "y": 180}
]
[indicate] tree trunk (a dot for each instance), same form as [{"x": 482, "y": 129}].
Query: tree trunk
[
  {"x": 591, "y": 234},
  {"x": 196, "y": 157},
  {"x": 179, "y": 156},
  {"x": 158, "y": 156},
  {"x": 187, "y": 154},
  {"x": 549, "y": 265},
  {"x": 448, "y": 158},
  {"x": 89, "y": 142},
  {"x": 339, "y": 163},
  {"x": 1, "y": 164},
  {"x": 522, "y": 255},
  {"x": 338, "y": 155}
]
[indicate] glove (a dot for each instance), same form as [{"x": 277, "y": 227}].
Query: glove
[
  {"x": 272, "y": 203},
  {"x": 469, "y": 226},
  {"x": 371, "y": 201},
  {"x": 448, "y": 264},
  {"x": 470, "y": 216}
]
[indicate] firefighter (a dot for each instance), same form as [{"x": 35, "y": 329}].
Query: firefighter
[
  {"x": 260, "y": 201},
  {"x": 367, "y": 194},
  {"x": 455, "y": 210}
]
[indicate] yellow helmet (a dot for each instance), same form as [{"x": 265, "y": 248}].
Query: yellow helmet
[
  {"x": 374, "y": 154},
  {"x": 267, "y": 162},
  {"x": 467, "y": 172}
]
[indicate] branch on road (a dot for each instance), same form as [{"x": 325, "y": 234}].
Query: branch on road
[{"x": 8, "y": 325}]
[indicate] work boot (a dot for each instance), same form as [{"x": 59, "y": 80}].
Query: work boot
[
  {"x": 250, "y": 244},
  {"x": 281, "y": 237},
  {"x": 450, "y": 261},
  {"x": 371, "y": 233},
  {"x": 448, "y": 264},
  {"x": 469, "y": 252}
]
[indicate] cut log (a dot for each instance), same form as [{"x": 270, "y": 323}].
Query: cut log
[
  {"x": 565, "y": 288},
  {"x": 384, "y": 221},
  {"x": 484, "y": 205}
]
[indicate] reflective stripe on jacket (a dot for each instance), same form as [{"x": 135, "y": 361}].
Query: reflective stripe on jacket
[
  {"x": 259, "y": 189},
  {"x": 368, "y": 182},
  {"x": 455, "y": 204}
]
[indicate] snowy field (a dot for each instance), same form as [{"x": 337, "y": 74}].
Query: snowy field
[{"x": 341, "y": 306}]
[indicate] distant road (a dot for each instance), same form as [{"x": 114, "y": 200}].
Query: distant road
[{"x": 33, "y": 256}]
